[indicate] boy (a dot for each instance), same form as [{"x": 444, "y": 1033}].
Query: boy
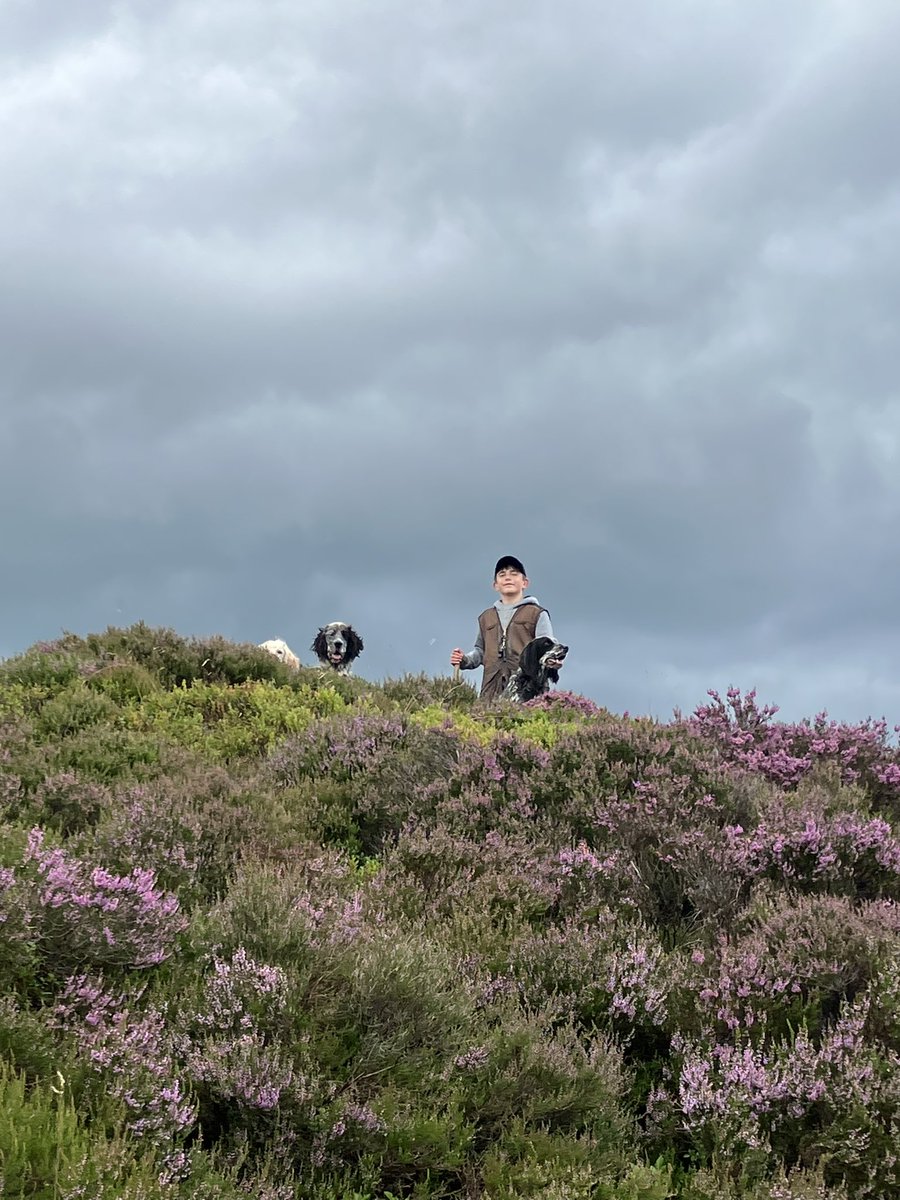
[{"x": 505, "y": 629}]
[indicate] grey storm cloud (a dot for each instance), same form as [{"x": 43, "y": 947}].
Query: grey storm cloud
[{"x": 312, "y": 311}]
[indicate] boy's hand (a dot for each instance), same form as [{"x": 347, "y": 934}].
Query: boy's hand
[{"x": 456, "y": 657}]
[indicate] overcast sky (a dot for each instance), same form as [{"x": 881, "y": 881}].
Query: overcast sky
[{"x": 309, "y": 311}]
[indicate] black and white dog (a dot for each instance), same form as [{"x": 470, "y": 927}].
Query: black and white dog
[
  {"x": 539, "y": 666},
  {"x": 337, "y": 645}
]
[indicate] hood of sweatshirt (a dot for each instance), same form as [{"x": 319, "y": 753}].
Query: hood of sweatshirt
[{"x": 498, "y": 604}]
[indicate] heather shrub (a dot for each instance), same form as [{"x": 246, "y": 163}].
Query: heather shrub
[
  {"x": 415, "y": 1144},
  {"x": 279, "y": 913},
  {"x": 18, "y": 956},
  {"x": 84, "y": 916},
  {"x": 63, "y": 802},
  {"x": 601, "y": 758},
  {"x": 833, "y": 1103},
  {"x": 612, "y": 973},
  {"x": 107, "y": 754},
  {"x": 564, "y": 705},
  {"x": 253, "y": 1083},
  {"x": 221, "y": 661},
  {"x": 16, "y": 751},
  {"x": 249, "y": 1088},
  {"x": 192, "y": 829},
  {"x": 555, "y": 1168},
  {"x": 884, "y": 996},
  {"x": 45, "y": 667},
  {"x": 144, "y": 826},
  {"x": 359, "y": 779},
  {"x": 175, "y": 660},
  {"x": 662, "y": 831},
  {"x": 235, "y": 994},
  {"x": 533, "y": 1163},
  {"x": 797, "y": 1184},
  {"x": 400, "y": 1002},
  {"x": 746, "y": 736},
  {"x": 341, "y": 749},
  {"x": 491, "y": 788},
  {"x": 791, "y": 961},
  {"x": 123, "y": 682},
  {"x": 811, "y": 844},
  {"x": 126, "y": 1058},
  {"x": 100, "y": 753},
  {"x": 436, "y": 872}
]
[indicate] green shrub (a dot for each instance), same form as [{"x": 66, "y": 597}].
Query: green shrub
[
  {"x": 531, "y": 1162},
  {"x": 48, "y": 1153},
  {"x": 720, "y": 1183},
  {"x": 528, "y": 1068},
  {"x": 412, "y": 692},
  {"x": 75, "y": 709},
  {"x": 123, "y": 681},
  {"x": 270, "y": 911},
  {"x": 44, "y": 667},
  {"x": 400, "y": 1000},
  {"x": 27, "y": 1042},
  {"x": 63, "y": 802},
  {"x": 108, "y": 755},
  {"x": 225, "y": 722}
]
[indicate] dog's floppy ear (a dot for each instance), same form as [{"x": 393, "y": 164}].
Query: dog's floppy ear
[
  {"x": 320, "y": 646},
  {"x": 529, "y": 660},
  {"x": 354, "y": 642}
]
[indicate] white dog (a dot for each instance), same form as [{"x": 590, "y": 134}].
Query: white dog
[{"x": 281, "y": 650}]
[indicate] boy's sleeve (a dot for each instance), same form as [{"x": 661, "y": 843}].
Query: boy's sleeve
[
  {"x": 543, "y": 627},
  {"x": 475, "y": 657}
]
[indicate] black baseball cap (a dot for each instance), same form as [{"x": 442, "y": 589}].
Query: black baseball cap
[{"x": 508, "y": 562}]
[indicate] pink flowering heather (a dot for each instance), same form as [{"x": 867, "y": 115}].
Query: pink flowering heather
[
  {"x": 747, "y": 737},
  {"x": 356, "y": 1119},
  {"x": 792, "y": 961},
  {"x": 586, "y": 878},
  {"x": 341, "y": 748},
  {"x": 145, "y": 825},
  {"x": 609, "y": 971},
  {"x": 230, "y": 1040},
  {"x": 84, "y": 914},
  {"x": 131, "y": 1058},
  {"x": 240, "y": 995},
  {"x": 815, "y": 850},
  {"x": 569, "y": 703},
  {"x": 245, "y": 1069},
  {"x": 837, "y": 1100}
]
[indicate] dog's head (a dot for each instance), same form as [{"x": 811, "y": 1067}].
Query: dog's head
[
  {"x": 337, "y": 644},
  {"x": 280, "y": 650},
  {"x": 542, "y": 657}
]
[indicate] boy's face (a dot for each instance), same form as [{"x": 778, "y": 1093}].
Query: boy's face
[{"x": 510, "y": 583}]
